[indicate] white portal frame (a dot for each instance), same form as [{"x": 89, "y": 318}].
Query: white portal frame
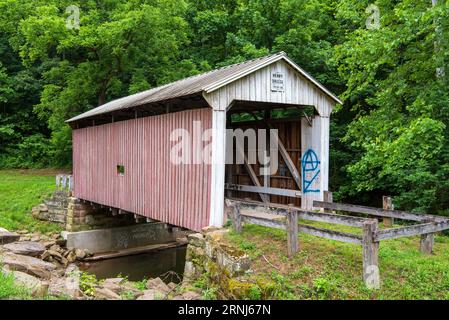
[{"x": 255, "y": 86}]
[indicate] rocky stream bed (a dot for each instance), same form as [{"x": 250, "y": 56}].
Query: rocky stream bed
[{"x": 42, "y": 264}]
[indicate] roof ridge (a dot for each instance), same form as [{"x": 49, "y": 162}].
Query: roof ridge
[
  {"x": 224, "y": 67},
  {"x": 202, "y": 82},
  {"x": 281, "y": 53}
]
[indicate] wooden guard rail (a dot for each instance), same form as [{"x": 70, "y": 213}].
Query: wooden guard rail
[{"x": 286, "y": 217}]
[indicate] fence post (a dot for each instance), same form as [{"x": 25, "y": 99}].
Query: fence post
[
  {"x": 237, "y": 218},
  {"x": 327, "y": 197},
  {"x": 70, "y": 183},
  {"x": 387, "y": 205},
  {"x": 371, "y": 275},
  {"x": 292, "y": 231},
  {"x": 426, "y": 243},
  {"x": 58, "y": 181}
]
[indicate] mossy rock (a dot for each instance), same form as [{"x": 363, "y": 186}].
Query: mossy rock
[
  {"x": 217, "y": 235},
  {"x": 242, "y": 289},
  {"x": 195, "y": 253},
  {"x": 232, "y": 251}
]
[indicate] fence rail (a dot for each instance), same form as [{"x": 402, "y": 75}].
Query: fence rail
[
  {"x": 403, "y": 215},
  {"x": 64, "y": 182},
  {"x": 414, "y": 230},
  {"x": 285, "y": 217}
]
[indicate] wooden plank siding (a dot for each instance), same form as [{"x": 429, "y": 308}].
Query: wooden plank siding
[
  {"x": 290, "y": 134},
  {"x": 152, "y": 186},
  {"x": 257, "y": 87}
]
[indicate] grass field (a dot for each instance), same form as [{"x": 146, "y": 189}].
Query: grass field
[
  {"x": 20, "y": 190},
  {"x": 326, "y": 269}
]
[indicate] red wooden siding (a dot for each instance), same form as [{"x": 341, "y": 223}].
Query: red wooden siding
[{"x": 152, "y": 186}]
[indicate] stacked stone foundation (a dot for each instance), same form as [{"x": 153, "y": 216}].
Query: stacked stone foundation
[
  {"x": 53, "y": 209},
  {"x": 83, "y": 216},
  {"x": 223, "y": 265},
  {"x": 76, "y": 215}
]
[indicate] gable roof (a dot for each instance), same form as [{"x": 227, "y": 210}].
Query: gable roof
[{"x": 205, "y": 82}]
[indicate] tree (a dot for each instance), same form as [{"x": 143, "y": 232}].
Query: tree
[
  {"x": 120, "y": 48},
  {"x": 401, "y": 106}
]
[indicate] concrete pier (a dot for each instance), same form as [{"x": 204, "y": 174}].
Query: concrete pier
[{"x": 114, "y": 239}]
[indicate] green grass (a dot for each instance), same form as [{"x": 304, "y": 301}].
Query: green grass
[
  {"x": 19, "y": 192},
  {"x": 326, "y": 269},
  {"x": 10, "y": 290}
]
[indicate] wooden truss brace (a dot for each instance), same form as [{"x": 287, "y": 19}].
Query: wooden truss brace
[
  {"x": 309, "y": 120},
  {"x": 252, "y": 174},
  {"x": 283, "y": 151}
]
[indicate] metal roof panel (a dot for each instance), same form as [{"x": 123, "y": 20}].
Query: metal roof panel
[{"x": 208, "y": 81}]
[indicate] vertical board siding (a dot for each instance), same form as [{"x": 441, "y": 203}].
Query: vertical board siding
[
  {"x": 257, "y": 87},
  {"x": 289, "y": 133},
  {"x": 152, "y": 186}
]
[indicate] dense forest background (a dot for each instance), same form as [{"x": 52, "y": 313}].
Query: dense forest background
[{"x": 389, "y": 138}]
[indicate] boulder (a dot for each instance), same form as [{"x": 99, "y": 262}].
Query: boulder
[
  {"x": 37, "y": 287},
  {"x": 35, "y": 237},
  {"x": 71, "y": 257},
  {"x": 48, "y": 244},
  {"x": 54, "y": 254},
  {"x": 102, "y": 293},
  {"x": 56, "y": 248},
  {"x": 41, "y": 207},
  {"x": 40, "y": 211},
  {"x": 191, "y": 295},
  {"x": 68, "y": 287},
  {"x": 172, "y": 285},
  {"x": 128, "y": 288},
  {"x": 115, "y": 287},
  {"x": 116, "y": 281},
  {"x": 80, "y": 254},
  {"x": 46, "y": 256},
  {"x": 152, "y": 294},
  {"x": 72, "y": 282},
  {"x": 72, "y": 270},
  {"x": 8, "y": 237},
  {"x": 30, "y": 265},
  {"x": 158, "y": 284},
  {"x": 27, "y": 248},
  {"x": 120, "y": 286},
  {"x": 196, "y": 239}
]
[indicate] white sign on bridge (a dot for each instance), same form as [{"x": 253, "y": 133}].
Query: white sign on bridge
[{"x": 277, "y": 82}]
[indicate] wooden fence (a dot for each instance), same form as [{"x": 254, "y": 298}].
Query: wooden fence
[
  {"x": 64, "y": 182},
  {"x": 286, "y": 217}
]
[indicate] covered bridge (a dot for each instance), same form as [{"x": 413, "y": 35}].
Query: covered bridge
[{"x": 122, "y": 150}]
